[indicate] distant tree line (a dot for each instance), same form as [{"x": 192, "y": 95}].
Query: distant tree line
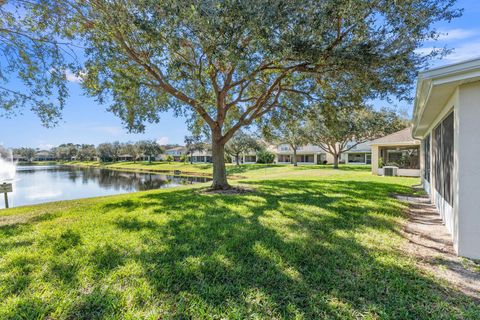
[{"x": 105, "y": 152}]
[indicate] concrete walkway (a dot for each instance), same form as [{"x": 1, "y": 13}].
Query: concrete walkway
[{"x": 431, "y": 244}]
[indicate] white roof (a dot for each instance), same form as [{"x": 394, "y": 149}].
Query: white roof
[
  {"x": 434, "y": 88},
  {"x": 402, "y": 137}
]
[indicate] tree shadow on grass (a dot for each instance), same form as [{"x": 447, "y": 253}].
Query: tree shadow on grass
[
  {"x": 97, "y": 304},
  {"x": 135, "y": 224},
  {"x": 306, "y": 263},
  {"x": 234, "y": 169},
  {"x": 18, "y": 271},
  {"x": 294, "y": 248}
]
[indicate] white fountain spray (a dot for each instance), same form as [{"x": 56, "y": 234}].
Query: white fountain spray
[{"x": 7, "y": 167}]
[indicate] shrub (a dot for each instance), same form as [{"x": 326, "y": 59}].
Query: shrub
[{"x": 265, "y": 156}]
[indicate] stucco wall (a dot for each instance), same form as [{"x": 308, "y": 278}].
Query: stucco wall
[
  {"x": 463, "y": 218},
  {"x": 467, "y": 200},
  {"x": 375, "y": 150}
]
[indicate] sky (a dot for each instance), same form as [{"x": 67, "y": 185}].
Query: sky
[{"x": 85, "y": 121}]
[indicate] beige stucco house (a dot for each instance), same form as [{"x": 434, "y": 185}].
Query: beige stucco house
[
  {"x": 203, "y": 156},
  {"x": 308, "y": 154},
  {"x": 311, "y": 154},
  {"x": 447, "y": 120},
  {"x": 176, "y": 153},
  {"x": 246, "y": 158},
  {"x": 398, "y": 149}
]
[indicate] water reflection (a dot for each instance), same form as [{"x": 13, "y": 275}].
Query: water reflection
[{"x": 38, "y": 184}]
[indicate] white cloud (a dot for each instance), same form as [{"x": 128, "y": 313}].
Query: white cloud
[
  {"x": 457, "y": 34},
  {"x": 70, "y": 76},
  {"x": 44, "y": 146},
  {"x": 162, "y": 140},
  {"x": 424, "y": 51},
  {"x": 465, "y": 51}
]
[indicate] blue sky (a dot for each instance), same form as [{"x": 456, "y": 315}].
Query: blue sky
[{"x": 85, "y": 121}]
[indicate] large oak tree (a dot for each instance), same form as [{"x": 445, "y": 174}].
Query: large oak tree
[
  {"x": 228, "y": 63},
  {"x": 338, "y": 128}
]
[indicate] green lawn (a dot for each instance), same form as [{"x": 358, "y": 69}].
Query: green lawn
[
  {"x": 234, "y": 171},
  {"x": 308, "y": 243},
  {"x": 154, "y": 166}
]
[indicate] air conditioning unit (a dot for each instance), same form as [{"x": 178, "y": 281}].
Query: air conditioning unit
[{"x": 390, "y": 171}]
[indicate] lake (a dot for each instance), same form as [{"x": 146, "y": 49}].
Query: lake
[{"x": 39, "y": 184}]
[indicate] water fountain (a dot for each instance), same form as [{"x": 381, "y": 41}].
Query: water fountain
[
  {"x": 7, "y": 167},
  {"x": 7, "y": 173}
]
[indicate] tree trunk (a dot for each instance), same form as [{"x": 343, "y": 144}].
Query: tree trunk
[
  {"x": 295, "y": 157},
  {"x": 218, "y": 159},
  {"x": 191, "y": 157},
  {"x": 237, "y": 160},
  {"x": 335, "y": 160}
]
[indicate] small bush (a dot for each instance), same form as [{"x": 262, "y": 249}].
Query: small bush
[{"x": 264, "y": 156}]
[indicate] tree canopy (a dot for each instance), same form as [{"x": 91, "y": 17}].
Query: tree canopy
[
  {"x": 33, "y": 66},
  {"x": 228, "y": 63},
  {"x": 240, "y": 143},
  {"x": 194, "y": 143},
  {"x": 339, "y": 128},
  {"x": 289, "y": 130}
]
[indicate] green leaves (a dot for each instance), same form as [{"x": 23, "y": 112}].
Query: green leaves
[
  {"x": 220, "y": 58},
  {"x": 241, "y": 142},
  {"x": 340, "y": 127},
  {"x": 32, "y": 69}
]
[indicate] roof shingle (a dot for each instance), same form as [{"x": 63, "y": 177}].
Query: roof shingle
[{"x": 403, "y": 137}]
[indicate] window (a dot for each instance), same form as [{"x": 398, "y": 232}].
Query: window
[
  {"x": 443, "y": 157},
  {"x": 426, "y": 158},
  {"x": 402, "y": 157},
  {"x": 356, "y": 158},
  {"x": 305, "y": 158},
  {"x": 284, "y": 158}
]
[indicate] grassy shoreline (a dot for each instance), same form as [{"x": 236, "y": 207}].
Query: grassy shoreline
[
  {"x": 139, "y": 166},
  {"x": 307, "y": 243},
  {"x": 186, "y": 169},
  {"x": 154, "y": 167}
]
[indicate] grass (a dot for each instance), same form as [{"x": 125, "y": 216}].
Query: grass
[
  {"x": 308, "y": 243},
  {"x": 159, "y": 166},
  {"x": 234, "y": 171}
]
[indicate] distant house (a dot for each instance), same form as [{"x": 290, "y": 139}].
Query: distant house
[
  {"x": 204, "y": 156},
  {"x": 125, "y": 157},
  {"x": 247, "y": 158},
  {"x": 18, "y": 158},
  {"x": 446, "y": 119},
  {"x": 311, "y": 154},
  {"x": 398, "y": 149},
  {"x": 308, "y": 154},
  {"x": 44, "y": 155},
  {"x": 176, "y": 153},
  {"x": 359, "y": 154}
]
